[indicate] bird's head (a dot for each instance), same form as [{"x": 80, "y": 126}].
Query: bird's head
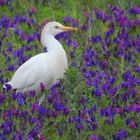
[{"x": 54, "y": 28}]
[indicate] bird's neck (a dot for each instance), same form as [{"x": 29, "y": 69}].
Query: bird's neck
[{"x": 51, "y": 43}]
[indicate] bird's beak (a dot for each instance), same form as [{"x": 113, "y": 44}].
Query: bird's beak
[{"x": 66, "y": 28}]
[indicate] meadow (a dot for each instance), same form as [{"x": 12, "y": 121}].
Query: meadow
[{"x": 99, "y": 98}]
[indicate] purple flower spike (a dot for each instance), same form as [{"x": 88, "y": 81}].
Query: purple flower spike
[
  {"x": 122, "y": 134},
  {"x": 14, "y": 96},
  {"x": 2, "y": 98},
  {"x": 42, "y": 137},
  {"x": 58, "y": 105},
  {"x": 66, "y": 111},
  {"x": 60, "y": 132},
  {"x": 79, "y": 126},
  {"x": 30, "y": 38},
  {"x": 101, "y": 15},
  {"x": 32, "y": 11},
  {"x": 84, "y": 27},
  {"x": 21, "y": 101},
  {"x": 9, "y": 48},
  {"x": 23, "y": 115},
  {"x": 32, "y": 93},
  {"x": 133, "y": 125},
  {"x": 8, "y": 87},
  {"x": 42, "y": 110},
  {"x": 96, "y": 39},
  {"x": 86, "y": 14},
  {"x": 2, "y": 2},
  {"x": 0, "y": 46},
  {"x": 67, "y": 19},
  {"x": 23, "y": 19},
  {"x": 42, "y": 87},
  {"x": 73, "y": 43},
  {"x": 5, "y": 22},
  {"x": 32, "y": 119},
  {"x": 31, "y": 22},
  {"x": 11, "y": 68},
  {"x": 94, "y": 137},
  {"x": 54, "y": 114},
  {"x": 33, "y": 134},
  {"x": 134, "y": 10},
  {"x": 74, "y": 22},
  {"x": 50, "y": 98},
  {"x": 16, "y": 19}
]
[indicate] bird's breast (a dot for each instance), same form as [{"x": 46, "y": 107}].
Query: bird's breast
[{"x": 59, "y": 63}]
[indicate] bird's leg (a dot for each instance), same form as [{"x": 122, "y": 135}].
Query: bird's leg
[{"x": 41, "y": 99}]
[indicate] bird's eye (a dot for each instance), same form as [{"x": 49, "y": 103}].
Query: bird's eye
[{"x": 56, "y": 27}]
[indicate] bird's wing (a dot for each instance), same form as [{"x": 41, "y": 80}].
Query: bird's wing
[
  {"x": 22, "y": 77},
  {"x": 30, "y": 72}
]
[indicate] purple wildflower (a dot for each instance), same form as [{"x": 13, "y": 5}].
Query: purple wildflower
[
  {"x": 32, "y": 11},
  {"x": 32, "y": 119},
  {"x": 9, "y": 49},
  {"x": 42, "y": 87},
  {"x": 23, "y": 19},
  {"x": 67, "y": 19},
  {"x": 73, "y": 43},
  {"x": 86, "y": 14},
  {"x": 14, "y": 96},
  {"x": 10, "y": 68},
  {"x": 31, "y": 22},
  {"x": 134, "y": 10},
  {"x": 83, "y": 27},
  {"x": 74, "y": 22},
  {"x": 122, "y": 134},
  {"x": 21, "y": 102},
  {"x": 58, "y": 105},
  {"x": 79, "y": 126},
  {"x": 101, "y": 15},
  {"x": 135, "y": 107},
  {"x": 2, "y": 2},
  {"x": 0, "y": 46},
  {"x": 16, "y": 19},
  {"x": 50, "y": 98},
  {"x": 66, "y": 111},
  {"x": 30, "y": 38},
  {"x": 54, "y": 114},
  {"x": 94, "y": 137},
  {"x": 5, "y": 22},
  {"x": 133, "y": 125},
  {"x": 35, "y": 107},
  {"x": 96, "y": 39},
  {"x": 60, "y": 132},
  {"x": 42, "y": 110},
  {"x": 23, "y": 114},
  {"x": 2, "y": 98},
  {"x": 33, "y": 134},
  {"x": 8, "y": 87},
  {"x": 119, "y": 110},
  {"x": 32, "y": 93},
  {"x": 42, "y": 137},
  {"x": 97, "y": 92}
]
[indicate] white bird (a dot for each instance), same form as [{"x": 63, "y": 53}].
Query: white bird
[{"x": 46, "y": 68}]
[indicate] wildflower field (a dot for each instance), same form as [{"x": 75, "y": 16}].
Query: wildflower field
[{"x": 99, "y": 98}]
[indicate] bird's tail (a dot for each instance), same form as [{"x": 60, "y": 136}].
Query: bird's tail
[{"x": 6, "y": 85}]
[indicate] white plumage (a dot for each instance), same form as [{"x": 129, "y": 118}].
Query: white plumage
[{"x": 46, "y": 68}]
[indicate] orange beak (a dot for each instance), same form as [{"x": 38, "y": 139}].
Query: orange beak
[{"x": 66, "y": 28}]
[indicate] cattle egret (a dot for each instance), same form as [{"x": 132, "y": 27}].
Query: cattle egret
[{"x": 46, "y": 68}]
